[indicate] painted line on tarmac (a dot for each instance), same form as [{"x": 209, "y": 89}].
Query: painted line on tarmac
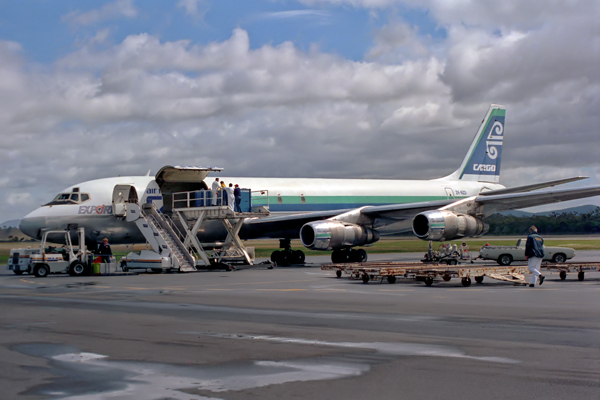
[{"x": 26, "y": 281}]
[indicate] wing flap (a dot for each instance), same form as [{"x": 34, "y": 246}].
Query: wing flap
[{"x": 535, "y": 186}]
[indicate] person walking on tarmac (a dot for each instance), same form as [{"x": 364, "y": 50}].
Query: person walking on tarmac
[
  {"x": 237, "y": 194},
  {"x": 534, "y": 252},
  {"x": 104, "y": 251}
]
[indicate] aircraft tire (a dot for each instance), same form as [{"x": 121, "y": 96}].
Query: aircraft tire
[
  {"x": 298, "y": 256},
  {"x": 41, "y": 270},
  {"x": 360, "y": 255},
  {"x": 275, "y": 256},
  {"x": 479, "y": 279},
  {"x": 285, "y": 258},
  {"x": 336, "y": 257}
]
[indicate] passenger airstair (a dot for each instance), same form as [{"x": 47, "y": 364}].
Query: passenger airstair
[{"x": 161, "y": 236}]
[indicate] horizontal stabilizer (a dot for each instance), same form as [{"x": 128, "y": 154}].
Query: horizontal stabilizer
[{"x": 535, "y": 186}]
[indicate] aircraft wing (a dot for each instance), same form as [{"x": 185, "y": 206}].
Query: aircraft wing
[
  {"x": 534, "y": 186},
  {"x": 486, "y": 205},
  {"x": 511, "y": 201},
  {"x": 289, "y": 225}
]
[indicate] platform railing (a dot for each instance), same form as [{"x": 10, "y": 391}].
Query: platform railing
[{"x": 204, "y": 198}]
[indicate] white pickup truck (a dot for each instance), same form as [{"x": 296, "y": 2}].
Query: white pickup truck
[{"x": 505, "y": 255}]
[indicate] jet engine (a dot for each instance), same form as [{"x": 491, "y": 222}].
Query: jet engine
[
  {"x": 327, "y": 235},
  {"x": 443, "y": 225}
]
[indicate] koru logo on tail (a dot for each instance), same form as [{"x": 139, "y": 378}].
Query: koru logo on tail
[{"x": 495, "y": 138}]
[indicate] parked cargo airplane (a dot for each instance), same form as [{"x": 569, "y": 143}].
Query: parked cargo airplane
[{"x": 326, "y": 214}]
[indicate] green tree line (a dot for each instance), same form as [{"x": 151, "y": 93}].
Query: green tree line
[{"x": 552, "y": 224}]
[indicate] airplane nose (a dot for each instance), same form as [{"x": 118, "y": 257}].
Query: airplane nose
[{"x": 32, "y": 226}]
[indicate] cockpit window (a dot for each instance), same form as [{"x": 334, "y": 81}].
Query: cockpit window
[{"x": 69, "y": 198}]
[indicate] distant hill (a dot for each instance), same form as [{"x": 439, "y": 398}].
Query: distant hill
[
  {"x": 10, "y": 224},
  {"x": 13, "y": 235},
  {"x": 578, "y": 210}
]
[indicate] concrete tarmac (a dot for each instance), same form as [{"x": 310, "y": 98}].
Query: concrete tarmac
[{"x": 297, "y": 332}]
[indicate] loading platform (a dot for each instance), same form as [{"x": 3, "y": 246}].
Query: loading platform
[
  {"x": 192, "y": 209},
  {"x": 432, "y": 272},
  {"x": 173, "y": 239}
]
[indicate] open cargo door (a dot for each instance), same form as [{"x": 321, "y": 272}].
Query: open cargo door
[{"x": 174, "y": 179}]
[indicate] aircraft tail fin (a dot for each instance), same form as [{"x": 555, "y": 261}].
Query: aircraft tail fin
[{"x": 482, "y": 162}]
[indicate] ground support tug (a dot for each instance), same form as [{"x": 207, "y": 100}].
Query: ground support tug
[{"x": 44, "y": 260}]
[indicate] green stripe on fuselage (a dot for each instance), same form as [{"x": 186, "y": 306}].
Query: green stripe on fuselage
[
  {"x": 348, "y": 199},
  {"x": 326, "y": 203}
]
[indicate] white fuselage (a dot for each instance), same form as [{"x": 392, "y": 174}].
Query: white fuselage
[{"x": 285, "y": 196}]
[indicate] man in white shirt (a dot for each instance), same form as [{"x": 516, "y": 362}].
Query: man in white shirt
[
  {"x": 230, "y": 196},
  {"x": 215, "y": 191}
]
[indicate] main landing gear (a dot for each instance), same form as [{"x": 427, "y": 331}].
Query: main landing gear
[
  {"x": 287, "y": 256},
  {"x": 348, "y": 256}
]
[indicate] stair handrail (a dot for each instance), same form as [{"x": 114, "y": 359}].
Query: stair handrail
[{"x": 154, "y": 218}]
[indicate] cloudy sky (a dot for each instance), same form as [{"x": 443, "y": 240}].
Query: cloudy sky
[{"x": 292, "y": 88}]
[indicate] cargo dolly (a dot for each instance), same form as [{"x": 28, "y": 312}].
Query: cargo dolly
[
  {"x": 565, "y": 267},
  {"x": 430, "y": 272}
]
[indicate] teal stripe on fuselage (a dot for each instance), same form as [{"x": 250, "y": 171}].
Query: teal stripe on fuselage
[{"x": 324, "y": 203}]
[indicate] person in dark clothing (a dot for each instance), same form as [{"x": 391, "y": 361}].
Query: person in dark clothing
[
  {"x": 105, "y": 251},
  {"x": 237, "y": 193},
  {"x": 534, "y": 252}
]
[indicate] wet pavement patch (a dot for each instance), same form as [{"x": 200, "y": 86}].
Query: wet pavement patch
[
  {"x": 384, "y": 348},
  {"x": 80, "y": 375}
]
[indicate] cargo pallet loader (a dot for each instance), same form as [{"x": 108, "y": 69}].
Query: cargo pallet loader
[{"x": 174, "y": 250}]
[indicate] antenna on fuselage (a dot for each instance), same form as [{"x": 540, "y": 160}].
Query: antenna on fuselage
[{"x": 148, "y": 173}]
